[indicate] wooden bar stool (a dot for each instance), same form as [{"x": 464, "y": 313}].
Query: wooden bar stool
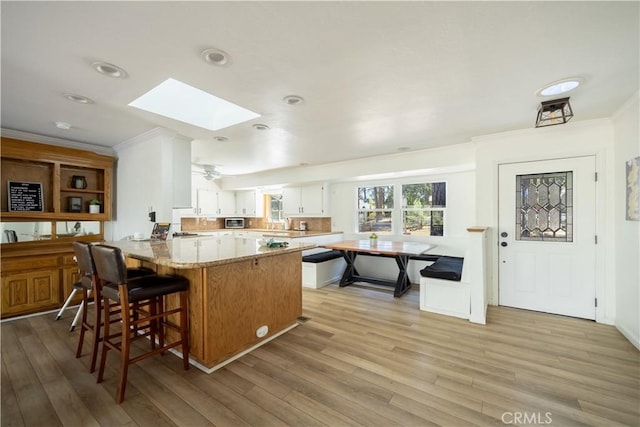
[
  {"x": 117, "y": 289},
  {"x": 88, "y": 286}
]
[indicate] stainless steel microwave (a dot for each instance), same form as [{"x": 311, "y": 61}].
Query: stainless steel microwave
[{"x": 234, "y": 223}]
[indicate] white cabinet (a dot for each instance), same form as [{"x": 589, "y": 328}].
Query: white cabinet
[
  {"x": 226, "y": 203},
  {"x": 206, "y": 202},
  {"x": 215, "y": 203},
  {"x": 306, "y": 201},
  {"x": 246, "y": 203}
]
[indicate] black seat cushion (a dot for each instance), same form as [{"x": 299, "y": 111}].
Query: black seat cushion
[
  {"x": 426, "y": 257},
  {"x": 147, "y": 287},
  {"x": 322, "y": 256},
  {"x": 133, "y": 273},
  {"x": 447, "y": 268}
]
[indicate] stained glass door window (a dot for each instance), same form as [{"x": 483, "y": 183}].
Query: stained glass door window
[{"x": 544, "y": 207}]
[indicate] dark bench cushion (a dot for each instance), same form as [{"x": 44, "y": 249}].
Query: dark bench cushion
[
  {"x": 447, "y": 268},
  {"x": 322, "y": 256},
  {"x": 426, "y": 257}
]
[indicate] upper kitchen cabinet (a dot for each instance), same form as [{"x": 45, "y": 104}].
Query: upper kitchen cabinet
[
  {"x": 206, "y": 202},
  {"x": 226, "y": 203},
  {"x": 304, "y": 201},
  {"x": 48, "y": 182},
  {"x": 215, "y": 203},
  {"x": 246, "y": 203}
]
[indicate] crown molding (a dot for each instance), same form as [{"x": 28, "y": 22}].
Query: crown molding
[
  {"x": 158, "y": 132},
  {"x": 60, "y": 142}
]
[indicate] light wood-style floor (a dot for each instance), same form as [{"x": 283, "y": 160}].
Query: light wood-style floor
[{"x": 362, "y": 358}]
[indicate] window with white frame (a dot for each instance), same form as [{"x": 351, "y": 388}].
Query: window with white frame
[
  {"x": 423, "y": 207},
  {"x": 375, "y": 209}
]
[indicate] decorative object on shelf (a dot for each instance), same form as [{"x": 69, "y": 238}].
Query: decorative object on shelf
[
  {"x": 25, "y": 196},
  {"x": 373, "y": 239},
  {"x": 75, "y": 204},
  {"x": 94, "y": 206},
  {"x": 555, "y": 112},
  {"x": 78, "y": 181}
]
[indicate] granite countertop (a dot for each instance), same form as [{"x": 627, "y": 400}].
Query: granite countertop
[
  {"x": 292, "y": 234},
  {"x": 202, "y": 251}
]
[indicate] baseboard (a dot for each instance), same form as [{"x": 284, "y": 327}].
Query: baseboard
[
  {"x": 446, "y": 312},
  {"x": 481, "y": 320},
  {"x": 628, "y": 335}
]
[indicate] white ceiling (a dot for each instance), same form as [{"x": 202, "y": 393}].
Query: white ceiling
[{"x": 377, "y": 77}]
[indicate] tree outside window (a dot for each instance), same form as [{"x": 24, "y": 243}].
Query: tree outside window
[
  {"x": 375, "y": 208},
  {"x": 423, "y": 208}
]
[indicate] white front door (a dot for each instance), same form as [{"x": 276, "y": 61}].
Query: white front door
[{"x": 547, "y": 232}]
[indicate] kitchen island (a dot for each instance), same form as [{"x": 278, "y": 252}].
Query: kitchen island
[{"x": 241, "y": 294}]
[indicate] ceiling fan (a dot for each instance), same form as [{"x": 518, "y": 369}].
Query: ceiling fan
[{"x": 208, "y": 172}]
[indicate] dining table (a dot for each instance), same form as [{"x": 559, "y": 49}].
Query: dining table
[{"x": 401, "y": 251}]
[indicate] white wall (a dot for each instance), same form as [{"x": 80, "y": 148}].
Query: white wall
[
  {"x": 456, "y": 157},
  {"x": 627, "y": 233},
  {"x": 460, "y": 214},
  {"x": 460, "y": 211},
  {"x": 570, "y": 140},
  {"x": 147, "y": 177}
]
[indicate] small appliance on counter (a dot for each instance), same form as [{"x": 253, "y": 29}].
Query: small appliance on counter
[
  {"x": 303, "y": 225},
  {"x": 234, "y": 223}
]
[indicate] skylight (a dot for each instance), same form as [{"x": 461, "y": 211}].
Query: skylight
[{"x": 179, "y": 101}]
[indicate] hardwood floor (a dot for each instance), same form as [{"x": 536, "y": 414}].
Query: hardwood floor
[{"x": 362, "y": 358}]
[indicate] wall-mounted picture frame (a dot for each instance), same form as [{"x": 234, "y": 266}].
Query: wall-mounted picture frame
[
  {"x": 633, "y": 189},
  {"x": 75, "y": 204}
]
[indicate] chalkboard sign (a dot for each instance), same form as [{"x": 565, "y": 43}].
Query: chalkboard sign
[{"x": 25, "y": 196}]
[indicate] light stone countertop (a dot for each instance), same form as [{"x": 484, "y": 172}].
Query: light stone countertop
[
  {"x": 202, "y": 251},
  {"x": 292, "y": 234}
]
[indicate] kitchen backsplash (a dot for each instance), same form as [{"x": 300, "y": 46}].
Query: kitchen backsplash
[{"x": 214, "y": 224}]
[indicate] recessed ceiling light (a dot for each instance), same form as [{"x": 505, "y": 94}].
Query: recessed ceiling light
[
  {"x": 180, "y": 101},
  {"x": 401, "y": 149},
  {"x": 260, "y": 126},
  {"x": 109, "y": 70},
  {"x": 77, "y": 98},
  {"x": 559, "y": 87},
  {"x": 293, "y": 100},
  {"x": 221, "y": 138},
  {"x": 215, "y": 56},
  {"x": 63, "y": 125}
]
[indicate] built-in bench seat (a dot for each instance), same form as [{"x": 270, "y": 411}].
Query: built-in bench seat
[
  {"x": 322, "y": 256},
  {"x": 444, "y": 267},
  {"x": 321, "y": 268},
  {"x": 444, "y": 288},
  {"x": 425, "y": 257}
]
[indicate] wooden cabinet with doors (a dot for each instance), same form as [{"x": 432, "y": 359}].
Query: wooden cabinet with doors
[
  {"x": 30, "y": 284},
  {"x": 37, "y": 266}
]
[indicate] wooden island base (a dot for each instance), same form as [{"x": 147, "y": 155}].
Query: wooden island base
[{"x": 229, "y": 302}]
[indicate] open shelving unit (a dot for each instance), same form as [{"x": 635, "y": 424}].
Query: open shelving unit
[
  {"x": 38, "y": 272},
  {"x": 54, "y": 168}
]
